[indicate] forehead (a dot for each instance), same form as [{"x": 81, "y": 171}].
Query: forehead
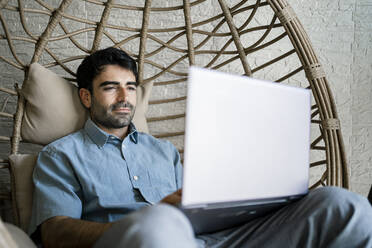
[{"x": 114, "y": 73}]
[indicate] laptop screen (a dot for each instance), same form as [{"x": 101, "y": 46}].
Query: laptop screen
[{"x": 245, "y": 139}]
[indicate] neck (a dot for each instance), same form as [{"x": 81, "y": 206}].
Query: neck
[{"x": 118, "y": 132}]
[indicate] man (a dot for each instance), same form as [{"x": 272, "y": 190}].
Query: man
[{"x": 108, "y": 185}]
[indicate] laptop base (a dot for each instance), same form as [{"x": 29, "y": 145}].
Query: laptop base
[{"x": 213, "y": 219}]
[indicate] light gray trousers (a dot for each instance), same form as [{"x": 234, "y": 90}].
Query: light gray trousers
[{"x": 326, "y": 217}]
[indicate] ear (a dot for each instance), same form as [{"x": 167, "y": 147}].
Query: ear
[{"x": 85, "y": 97}]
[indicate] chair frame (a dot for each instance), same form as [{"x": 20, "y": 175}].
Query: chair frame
[{"x": 324, "y": 113}]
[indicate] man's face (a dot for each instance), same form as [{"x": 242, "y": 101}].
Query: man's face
[{"x": 113, "y": 101}]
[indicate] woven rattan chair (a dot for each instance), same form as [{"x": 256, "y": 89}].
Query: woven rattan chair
[{"x": 262, "y": 39}]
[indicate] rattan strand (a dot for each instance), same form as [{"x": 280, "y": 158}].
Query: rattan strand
[
  {"x": 286, "y": 15},
  {"x": 190, "y": 42},
  {"x": 314, "y": 71},
  {"x": 331, "y": 123},
  {"x": 4, "y": 138},
  {"x": 235, "y": 35},
  {"x": 10, "y": 92}
]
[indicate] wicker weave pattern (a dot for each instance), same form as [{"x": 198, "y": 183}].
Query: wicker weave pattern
[{"x": 236, "y": 38}]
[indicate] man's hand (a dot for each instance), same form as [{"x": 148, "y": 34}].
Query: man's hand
[{"x": 174, "y": 198}]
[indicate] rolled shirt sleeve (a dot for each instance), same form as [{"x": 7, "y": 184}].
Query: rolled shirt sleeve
[
  {"x": 57, "y": 191},
  {"x": 177, "y": 165}
]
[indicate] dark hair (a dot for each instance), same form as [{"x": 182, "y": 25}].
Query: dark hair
[{"x": 95, "y": 63}]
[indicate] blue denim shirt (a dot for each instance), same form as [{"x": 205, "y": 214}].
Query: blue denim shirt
[{"x": 94, "y": 176}]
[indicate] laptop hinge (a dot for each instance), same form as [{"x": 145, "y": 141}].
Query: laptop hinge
[
  {"x": 248, "y": 203},
  {"x": 245, "y": 203},
  {"x": 195, "y": 206}
]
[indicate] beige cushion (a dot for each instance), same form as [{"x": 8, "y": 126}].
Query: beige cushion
[
  {"x": 53, "y": 108},
  {"x": 22, "y": 166},
  {"x": 6, "y": 239},
  {"x": 20, "y": 238}
]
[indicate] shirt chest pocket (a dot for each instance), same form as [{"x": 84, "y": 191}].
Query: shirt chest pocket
[
  {"x": 111, "y": 187},
  {"x": 114, "y": 194},
  {"x": 162, "y": 177}
]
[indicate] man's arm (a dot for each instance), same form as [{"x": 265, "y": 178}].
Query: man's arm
[{"x": 62, "y": 231}]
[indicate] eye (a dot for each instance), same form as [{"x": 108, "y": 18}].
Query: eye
[
  {"x": 131, "y": 88},
  {"x": 108, "y": 88}
]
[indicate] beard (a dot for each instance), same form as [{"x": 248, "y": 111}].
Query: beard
[{"x": 106, "y": 118}]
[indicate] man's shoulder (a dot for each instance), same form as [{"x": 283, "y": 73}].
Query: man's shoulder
[
  {"x": 66, "y": 142},
  {"x": 151, "y": 141},
  {"x": 145, "y": 137}
]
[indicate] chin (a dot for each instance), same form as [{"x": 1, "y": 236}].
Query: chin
[{"x": 122, "y": 123}]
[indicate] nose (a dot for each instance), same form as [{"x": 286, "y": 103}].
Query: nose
[{"x": 122, "y": 94}]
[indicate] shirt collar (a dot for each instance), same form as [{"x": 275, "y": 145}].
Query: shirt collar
[
  {"x": 133, "y": 133},
  {"x": 100, "y": 137}
]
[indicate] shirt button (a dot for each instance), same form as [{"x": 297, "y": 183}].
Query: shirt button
[{"x": 135, "y": 178}]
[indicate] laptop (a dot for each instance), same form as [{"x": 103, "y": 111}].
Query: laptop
[{"x": 246, "y": 148}]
